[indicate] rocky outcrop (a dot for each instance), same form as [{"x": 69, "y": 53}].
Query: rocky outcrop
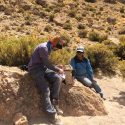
[{"x": 18, "y": 93}]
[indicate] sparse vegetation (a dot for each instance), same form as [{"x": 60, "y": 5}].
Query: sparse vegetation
[
  {"x": 48, "y": 28},
  {"x": 81, "y": 26},
  {"x": 122, "y": 9},
  {"x": 122, "y": 31},
  {"x": 111, "y": 45},
  {"x": 82, "y": 33},
  {"x": 121, "y": 67},
  {"x": 97, "y": 36},
  {"x": 51, "y": 17},
  {"x": 67, "y": 26},
  {"x": 72, "y": 13}
]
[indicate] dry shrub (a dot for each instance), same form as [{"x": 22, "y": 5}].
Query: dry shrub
[
  {"x": 48, "y": 28},
  {"x": 17, "y": 51},
  {"x": 67, "y": 26},
  {"x": 111, "y": 45},
  {"x": 51, "y": 17},
  {"x": 97, "y": 36},
  {"x": 72, "y": 13},
  {"x": 79, "y": 17},
  {"x": 81, "y": 26},
  {"x": 121, "y": 67},
  {"x": 120, "y": 50},
  {"x": 102, "y": 57},
  {"x": 82, "y": 33},
  {"x": 61, "y": 56},
  {"x": 122, "y": 30}
]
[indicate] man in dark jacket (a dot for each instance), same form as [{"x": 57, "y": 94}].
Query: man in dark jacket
[
  {"x": 82, "y": 70},
  {"x": 46, "y": 74}
]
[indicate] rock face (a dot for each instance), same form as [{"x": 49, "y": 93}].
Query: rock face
[{"x": 18, "y": 93}]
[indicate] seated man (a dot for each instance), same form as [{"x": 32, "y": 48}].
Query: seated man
[
  {"x": 82, "y": 70},
  {"x": 46, "y": 74}
]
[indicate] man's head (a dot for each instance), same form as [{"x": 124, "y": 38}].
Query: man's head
[
  {"x": 58, "y": 43},
  {"x": 80, "y": 52}
]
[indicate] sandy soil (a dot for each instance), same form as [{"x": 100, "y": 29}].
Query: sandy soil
[{"x": 114, "y": 89}]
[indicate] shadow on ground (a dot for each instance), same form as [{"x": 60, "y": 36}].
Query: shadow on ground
[{"x": 121, "y": 99}]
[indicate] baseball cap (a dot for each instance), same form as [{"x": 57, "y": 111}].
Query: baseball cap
[{"x": 80, "y": 49}]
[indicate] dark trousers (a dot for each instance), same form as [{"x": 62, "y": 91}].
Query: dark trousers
[{"x": 48, "y": 82}]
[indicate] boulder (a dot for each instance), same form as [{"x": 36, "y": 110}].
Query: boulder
[{"x": 18, "y": 93}]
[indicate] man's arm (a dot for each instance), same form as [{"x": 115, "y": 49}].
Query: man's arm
[{"x": 43, "y": 52}]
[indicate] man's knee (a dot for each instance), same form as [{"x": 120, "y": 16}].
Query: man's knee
[
  {"x": 58, "y": 78},
  {"x": 87, "y": 82}
]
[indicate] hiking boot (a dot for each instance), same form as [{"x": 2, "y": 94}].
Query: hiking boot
[
  {"x": 56, "y": 106},
  {"x": 55, "y": 121},
  {"x": 102, "y": 96},
  {"x": 58, "y": 110}
]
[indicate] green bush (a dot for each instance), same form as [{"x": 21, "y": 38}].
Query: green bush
[
  {"x": 51, "y": 17},
  {"x": 111, "y": 45},
  {"x": 79, "y": 17},
  {"x": 65, "y": 37},
  {"x": 17, "y": 51},
  {"x": 102, "y": 58},
  {"x": 81, "y": 26},
  {"x": 97, "y": 36},
  {"x": 121, "y": 67},
  {"x": 48, "y": 28},
  {"x": 61, "y": 56},
  {"x": 67, "y": 26},
  {"x": 120, "y": 50},
  {"x": 82, "y": 33},
  {"x": 122, "y": 38},
  {"x": 122, "y": 9}
]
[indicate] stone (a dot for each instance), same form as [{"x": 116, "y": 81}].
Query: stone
[{"x": 20, "y": 119}]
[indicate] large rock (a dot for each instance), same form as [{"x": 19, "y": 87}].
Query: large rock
[{"x": 18, "y": 93}]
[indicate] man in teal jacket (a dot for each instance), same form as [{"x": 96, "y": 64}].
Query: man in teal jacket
[{"x": 82, "y": 71}]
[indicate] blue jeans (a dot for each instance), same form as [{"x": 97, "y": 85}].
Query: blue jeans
[
  {"x": 87, "y": 82},
  {"x": 48, "y": 83}
]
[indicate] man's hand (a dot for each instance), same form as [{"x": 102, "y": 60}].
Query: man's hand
[
  {"x": 74, "y": 79},
  {"x": 94, "y": 81},
  {"x": 61, "y": 71}
]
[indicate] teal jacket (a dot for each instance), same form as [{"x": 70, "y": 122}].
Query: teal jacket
[{"x": 82, "y": 68}]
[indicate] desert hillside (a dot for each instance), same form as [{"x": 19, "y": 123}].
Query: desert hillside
[{"x": 48, "y": 17}]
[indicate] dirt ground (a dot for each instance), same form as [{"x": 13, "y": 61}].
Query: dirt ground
[{"x": 114, "y": 90}]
